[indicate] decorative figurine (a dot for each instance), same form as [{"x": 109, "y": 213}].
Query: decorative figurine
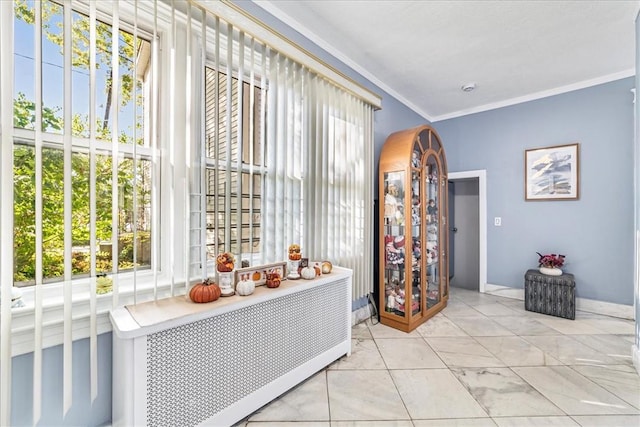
[
  {"x": 224, "y": 264},
  {"x": 294, "y": 261}
]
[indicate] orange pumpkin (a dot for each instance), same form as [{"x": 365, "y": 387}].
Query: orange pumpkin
[
  {"x": 206, "y": 291},
  {"x": 256, "y": 276}
]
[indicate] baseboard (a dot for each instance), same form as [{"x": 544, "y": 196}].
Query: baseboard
[
  {"x": 605, "y": 308},
  {"x": 361, "y": 314},
  {"x": 504, "y": 291},
  {"x": 582, "y": 304}
]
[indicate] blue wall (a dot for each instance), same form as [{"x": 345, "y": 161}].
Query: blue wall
[
  {"x": 82, "y": 412},
  {"x": 596, "y": 231}
]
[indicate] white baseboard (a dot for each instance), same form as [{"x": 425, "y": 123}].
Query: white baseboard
[
  {"x": 605, "y": 308},
  {"x": 504, "y": 291},
  {"x": 582, "y": 304}
]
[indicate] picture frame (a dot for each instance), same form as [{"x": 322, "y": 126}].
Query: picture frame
[
  {"x": 258, "y": 273},
  {"x": 552, "y": 173}
]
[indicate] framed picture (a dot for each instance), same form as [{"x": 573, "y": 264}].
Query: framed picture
[
  {"x": 259, "y": 273},
  {"x": 552, "y": 173}
]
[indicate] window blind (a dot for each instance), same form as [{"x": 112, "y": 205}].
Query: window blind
[
  {"x": 316, "y": 157},
  {"x": 70, "y": 144},
  {"x": 6, "y": 215}
]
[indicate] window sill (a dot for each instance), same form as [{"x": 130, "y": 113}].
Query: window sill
[{"x": 23, "y": 318}]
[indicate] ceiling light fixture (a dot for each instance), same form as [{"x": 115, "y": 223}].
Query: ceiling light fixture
[{"x": 469, "y": 87}]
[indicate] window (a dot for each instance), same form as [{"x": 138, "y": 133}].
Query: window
[
  {"x": 131, "y": 160},
  {"x": 234, "y": 168},
  {"x": 250, "y": 174}
]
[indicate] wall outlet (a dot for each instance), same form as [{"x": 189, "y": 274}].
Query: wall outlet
[{"x": 497, "y": 221}]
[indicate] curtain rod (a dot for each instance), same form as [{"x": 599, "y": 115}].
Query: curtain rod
[{"x": 269, "y": 36}]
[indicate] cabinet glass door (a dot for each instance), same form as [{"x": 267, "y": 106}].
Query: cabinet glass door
[
  {"x": 394, "y": 244},
  {"x": 416, "y": 244},
  {"x": 444, "y": 241},
  {"x": 432, "y": 237}
]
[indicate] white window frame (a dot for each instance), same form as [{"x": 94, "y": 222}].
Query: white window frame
[
  {"x": 254, "y": 258},
  {"x": 146, "y": 287}
]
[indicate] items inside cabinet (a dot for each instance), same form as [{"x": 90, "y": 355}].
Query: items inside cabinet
[
  {"x": 431, "y": 185},
  {"x": 394, "y": 244}
]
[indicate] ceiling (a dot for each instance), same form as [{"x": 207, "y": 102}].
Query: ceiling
[{"x": 423, "y": 52}]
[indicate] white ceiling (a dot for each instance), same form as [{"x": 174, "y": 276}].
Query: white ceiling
[{"x": 422, "y": 52}]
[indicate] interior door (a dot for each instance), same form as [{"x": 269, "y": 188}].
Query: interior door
[{"x": 467, "y": 236}]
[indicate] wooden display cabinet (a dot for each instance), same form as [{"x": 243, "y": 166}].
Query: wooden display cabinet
[{"x": 414, "y": 276}]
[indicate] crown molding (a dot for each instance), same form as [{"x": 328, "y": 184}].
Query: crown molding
[
  {"x": 538, "y": 95},
  {"x": 233, "y": 13},
  {"x": 272, "y": 8},
  {"x": 336, "y": 53}
]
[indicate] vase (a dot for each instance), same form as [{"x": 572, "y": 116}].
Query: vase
[
  {"x": 225, "y": 281},
  {"x": 293, "y": 269},
  {"x": 550, "y": 271}
]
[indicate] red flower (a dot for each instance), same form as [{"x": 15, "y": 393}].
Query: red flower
[{"x": 551, "y": 260}]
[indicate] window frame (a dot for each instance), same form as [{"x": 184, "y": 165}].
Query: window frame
[
  {"x": 146, "y": 284},
  {"x": 82, "y": 144},
  {"x": 246, "y": 168}
]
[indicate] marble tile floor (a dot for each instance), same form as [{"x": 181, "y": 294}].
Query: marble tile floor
[{"x": 482, "y": 361}]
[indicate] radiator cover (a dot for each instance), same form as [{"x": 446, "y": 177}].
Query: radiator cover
[{"x": 220, "y": 368}]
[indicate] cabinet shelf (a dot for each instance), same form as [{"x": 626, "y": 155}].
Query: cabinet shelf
[{"x": 414, "y": 240}]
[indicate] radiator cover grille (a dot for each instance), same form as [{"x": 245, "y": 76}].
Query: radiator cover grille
[{"x": 194, "y": 371}]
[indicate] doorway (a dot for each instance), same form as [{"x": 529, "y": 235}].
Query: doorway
[{"x": 468, "y": 230}]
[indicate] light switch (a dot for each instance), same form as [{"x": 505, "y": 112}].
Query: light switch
[{"x": 497, "y": 221}]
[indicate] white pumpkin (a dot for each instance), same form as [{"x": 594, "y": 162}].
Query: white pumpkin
[
  {"x": 308, "y": 273},
  {"x": 245, "y": 286}
]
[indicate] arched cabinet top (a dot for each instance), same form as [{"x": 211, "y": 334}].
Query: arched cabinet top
[{"x": 398, "y": 150}]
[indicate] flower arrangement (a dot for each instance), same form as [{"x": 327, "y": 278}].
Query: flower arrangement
[
  {"x": 225, "y": 262},
  {"x": 551, "y": 260}
]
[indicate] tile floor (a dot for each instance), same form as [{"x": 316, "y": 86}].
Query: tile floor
[{"x": 482, "y": 361}]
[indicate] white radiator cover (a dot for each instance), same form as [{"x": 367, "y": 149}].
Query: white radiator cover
[{"x": 215, "y": 367}]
